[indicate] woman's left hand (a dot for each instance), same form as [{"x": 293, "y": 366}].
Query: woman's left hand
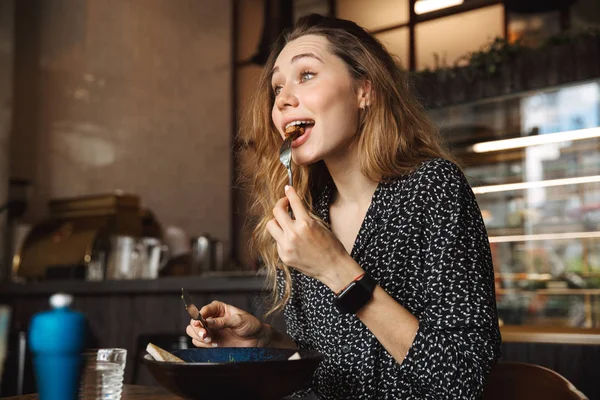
[{"x": 304, "y": 243}]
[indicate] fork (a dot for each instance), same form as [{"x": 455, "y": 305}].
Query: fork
[
  {"x": 285, "y": 156},
  {"x": 192, "y": 309}
]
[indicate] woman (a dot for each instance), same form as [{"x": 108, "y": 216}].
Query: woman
[{"x": 386, "y": 268}]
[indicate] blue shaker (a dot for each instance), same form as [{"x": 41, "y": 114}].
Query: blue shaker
[{"x": 57, "y": 339}]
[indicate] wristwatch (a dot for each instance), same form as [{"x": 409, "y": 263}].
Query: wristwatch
[{"x": 355, "y": 295}]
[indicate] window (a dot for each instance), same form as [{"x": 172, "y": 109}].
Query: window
[{"x": 374, "y": 14}]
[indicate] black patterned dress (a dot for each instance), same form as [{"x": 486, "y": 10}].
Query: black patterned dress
[{"x": 423, "y": 240}]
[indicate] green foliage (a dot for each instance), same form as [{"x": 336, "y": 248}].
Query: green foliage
[{"x": 488, "y": 61}]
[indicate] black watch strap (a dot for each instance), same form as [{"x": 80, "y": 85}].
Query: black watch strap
[{"x": 355, "y": 295}]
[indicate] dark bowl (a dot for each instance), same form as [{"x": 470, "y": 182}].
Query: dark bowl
[{"x": 227, "y": 373}]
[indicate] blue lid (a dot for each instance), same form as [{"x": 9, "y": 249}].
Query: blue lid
[{"x": 60, "y": 330}]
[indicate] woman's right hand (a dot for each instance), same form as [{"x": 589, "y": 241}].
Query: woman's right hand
[{"x": 228, "y": 327}]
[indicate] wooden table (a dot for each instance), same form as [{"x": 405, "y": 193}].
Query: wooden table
[{"x": 130, "y": 392}]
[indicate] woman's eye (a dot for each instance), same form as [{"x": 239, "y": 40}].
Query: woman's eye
[
  {"x": 276, "y": 90},
  {"x": 306, "y": 76}
]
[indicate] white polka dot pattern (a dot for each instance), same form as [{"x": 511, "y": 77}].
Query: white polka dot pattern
[{"x": 423, "y": 240}]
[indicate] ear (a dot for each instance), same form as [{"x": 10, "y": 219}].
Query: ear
[{"x": 364, "y": 94}]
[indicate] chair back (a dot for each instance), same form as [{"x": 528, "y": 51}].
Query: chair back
[{"x": 522, "y": 381}]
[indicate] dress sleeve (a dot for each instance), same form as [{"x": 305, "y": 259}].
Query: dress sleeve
[
  {"x": 295, "y": 328},
  {"x": 295, "y": 320},
  {"x": 458, "y": 339}
]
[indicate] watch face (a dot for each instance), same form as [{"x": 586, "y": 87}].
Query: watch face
[{"x": 353, "y": 298}]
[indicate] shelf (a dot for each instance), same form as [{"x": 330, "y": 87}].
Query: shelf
[
  {"x": 526, "y": 276},
  {"x": 223, "y": 282},
  {"x": 523, "y": 276},
  {"x": 548, "y": 174},
  {"x": 540, "y": 229},
  {"x": 550, "y": 292},
  {"x": 538, "y": 334},
  {"x": 471, "y": 159},
  {"x": 536, "y": 185},
  {"x": 545, "y": 236}
]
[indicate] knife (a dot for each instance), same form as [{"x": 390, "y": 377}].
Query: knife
[{"x": 193, "y": 310}]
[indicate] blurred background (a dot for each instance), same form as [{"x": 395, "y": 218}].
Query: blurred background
[{"x": 119, "y": 162}]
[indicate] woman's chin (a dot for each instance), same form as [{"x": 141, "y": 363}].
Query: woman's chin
[
  {"x": 302, "y": 159},
  {"x": 302, "y": 163}
]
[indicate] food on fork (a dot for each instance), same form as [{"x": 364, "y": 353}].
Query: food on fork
[
  {"x": 294, "y": 130},
  {"x": 160, "y": 354},
  {"x": 298, "y": 127}
]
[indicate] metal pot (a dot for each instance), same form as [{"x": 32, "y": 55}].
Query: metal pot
[{"x": 207, "y": 254}]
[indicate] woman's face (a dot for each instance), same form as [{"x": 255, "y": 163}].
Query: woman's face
[{"x": 313, "y": 85}]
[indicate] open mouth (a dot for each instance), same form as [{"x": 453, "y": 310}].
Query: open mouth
[{"x": 297, "y": 128}]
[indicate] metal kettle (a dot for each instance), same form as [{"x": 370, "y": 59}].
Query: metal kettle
[{"x": 208, "y": 254}]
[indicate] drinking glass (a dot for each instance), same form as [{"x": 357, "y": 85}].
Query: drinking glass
[{"x": 103, "y": 374}]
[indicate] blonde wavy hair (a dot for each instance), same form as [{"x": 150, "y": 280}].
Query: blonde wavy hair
[{"x": 394, "y": 136}]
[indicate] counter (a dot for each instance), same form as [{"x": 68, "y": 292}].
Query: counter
[
  {"x": 557, "y": 335},
  {"x": 219, "y": 282}
]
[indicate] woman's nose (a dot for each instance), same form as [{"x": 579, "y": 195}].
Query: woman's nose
[{"x": 286, "y": 98}]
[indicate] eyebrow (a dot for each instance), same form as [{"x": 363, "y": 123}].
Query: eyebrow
[{"x": 299, "y": 56}]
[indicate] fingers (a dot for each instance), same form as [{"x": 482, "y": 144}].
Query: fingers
[
  {"x": 201, "y": 344},
  {"x": 199, "y": 337},
  {"x": 198, "y": 334},
  {"x": 232, "y": 321},
  {"x": 274, "y": 229},
  {"x": 280, "y": 212},
  {"x": 214, "y": 309},
  {"x": 296, "y": 203}
]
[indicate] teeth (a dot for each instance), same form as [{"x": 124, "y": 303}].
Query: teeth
[{"x": 299, "y": 123}]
